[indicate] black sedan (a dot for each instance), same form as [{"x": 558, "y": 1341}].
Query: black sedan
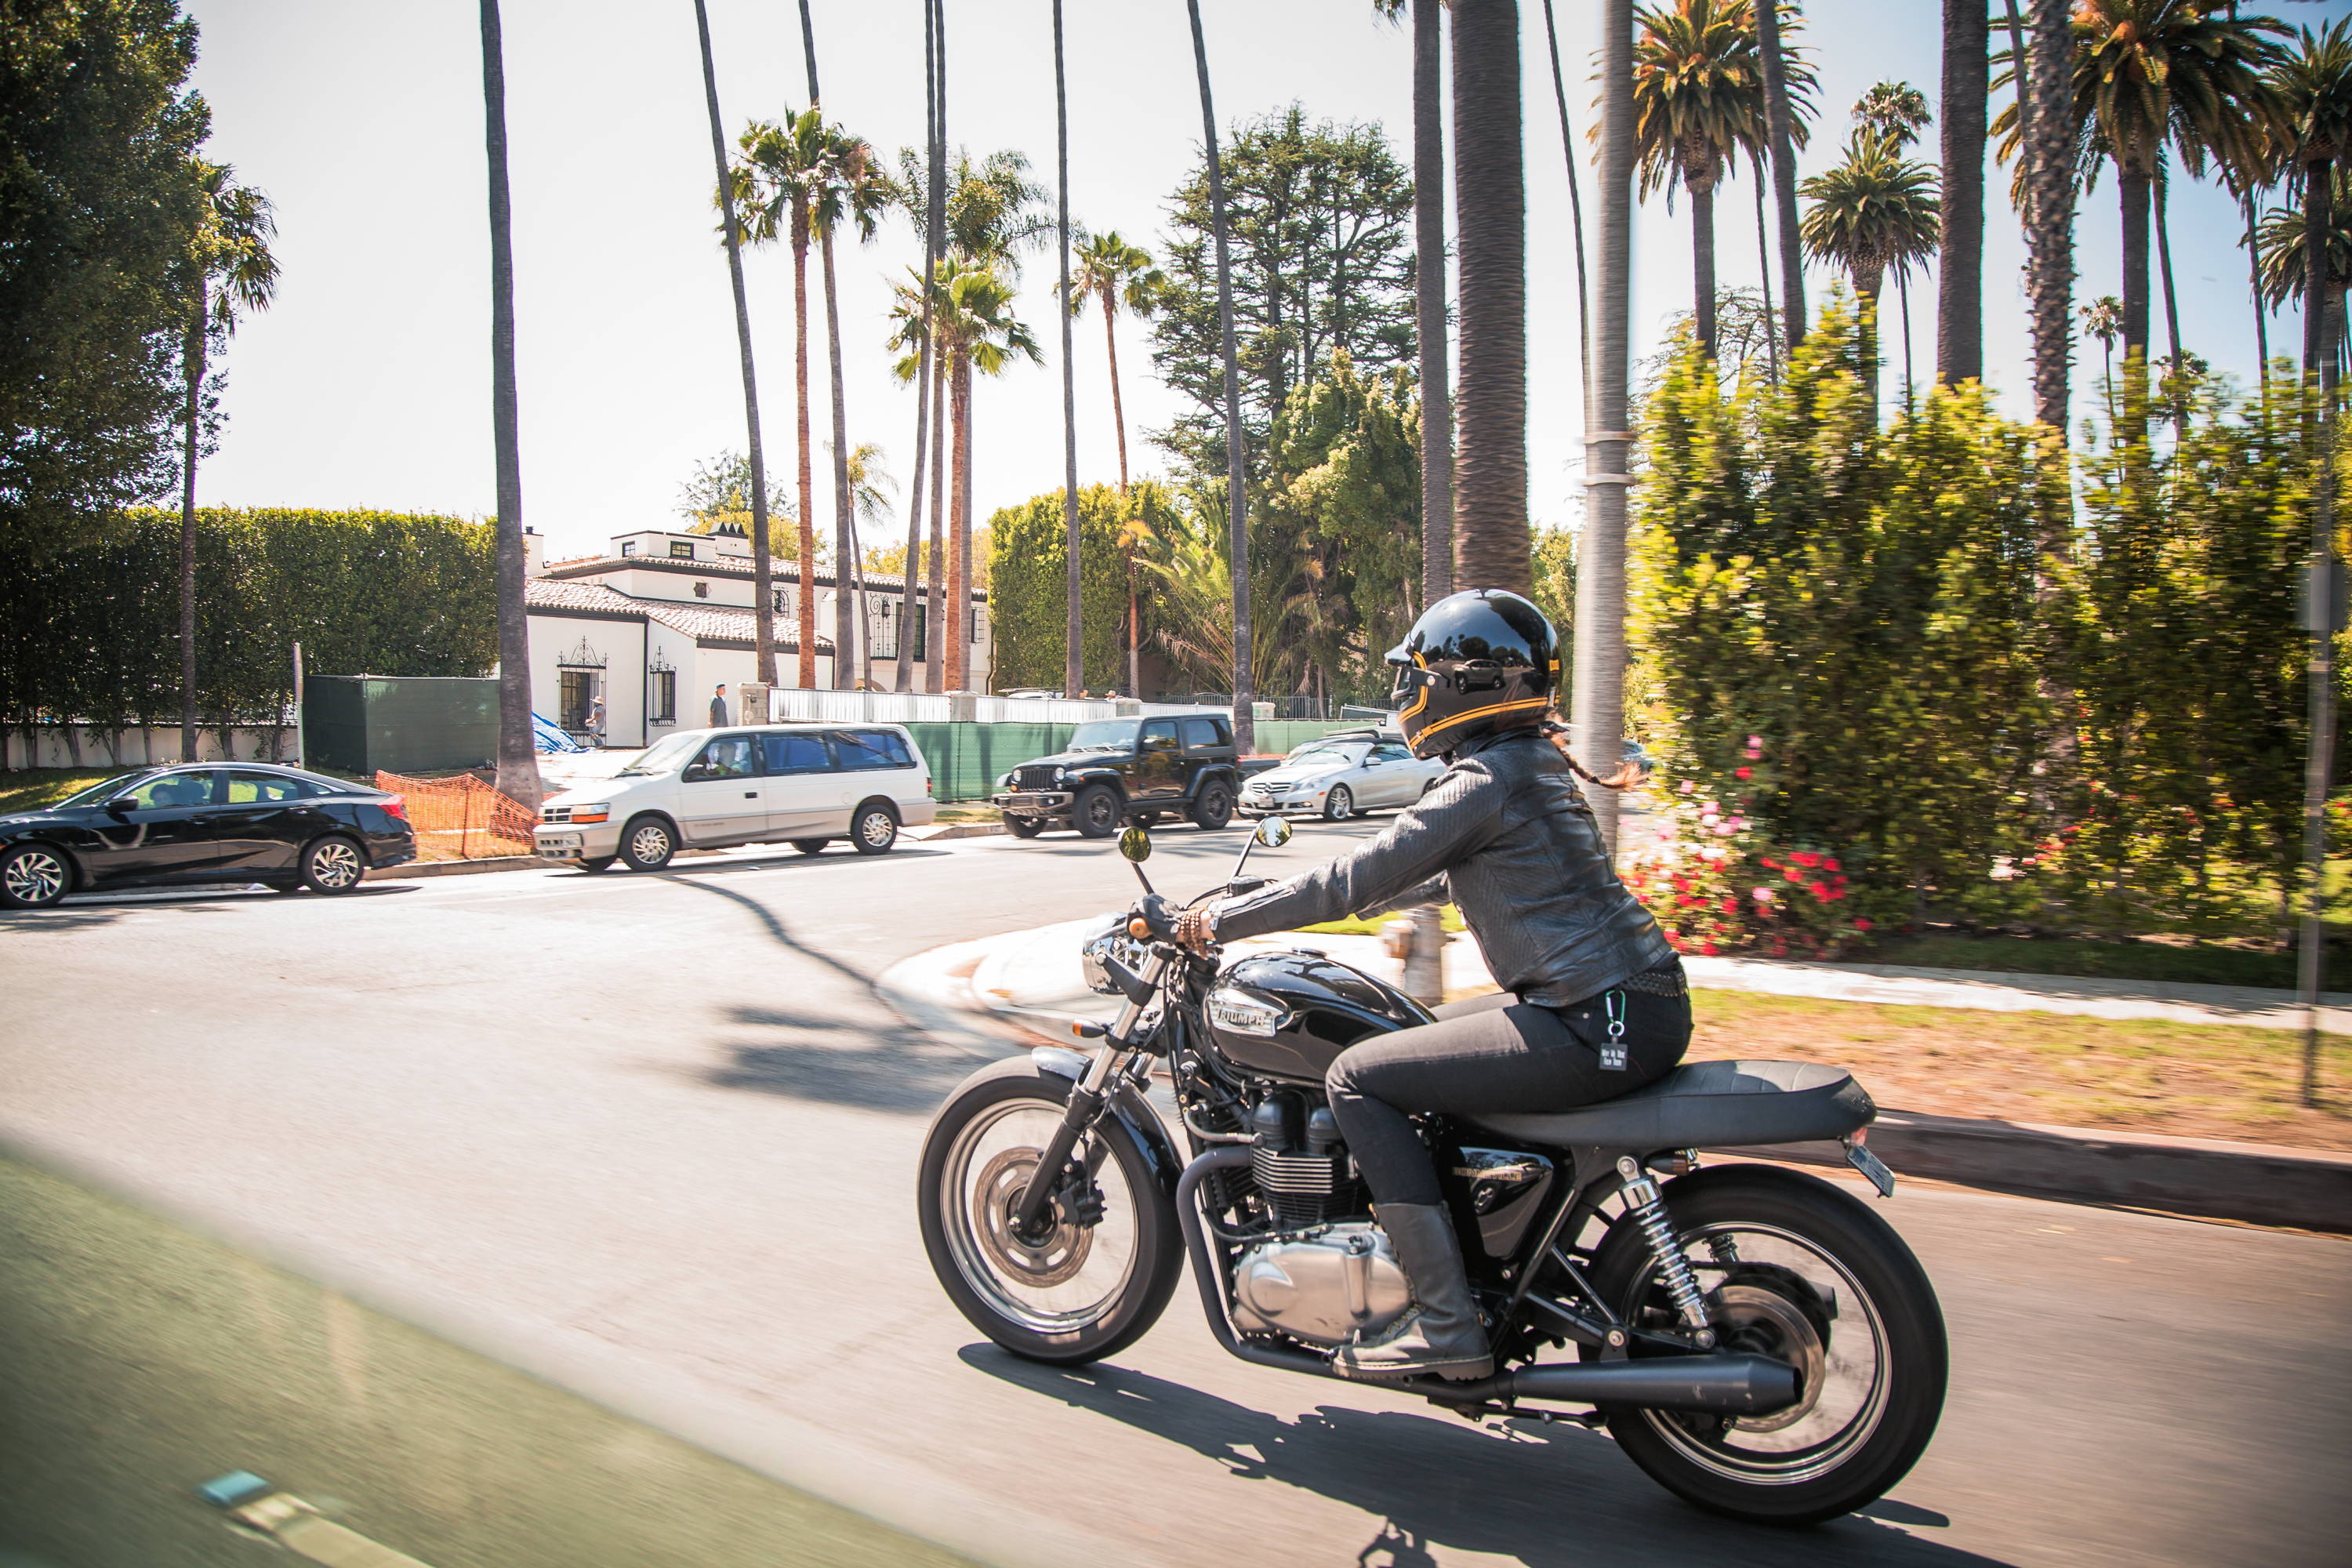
[{"x": 168, "y": 827}]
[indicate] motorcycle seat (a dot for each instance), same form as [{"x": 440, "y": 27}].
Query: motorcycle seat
[{"x": 1703, "y": 1105}]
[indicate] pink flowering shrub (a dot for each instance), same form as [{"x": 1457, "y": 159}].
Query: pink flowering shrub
[{"x": 1718, "y": 884}]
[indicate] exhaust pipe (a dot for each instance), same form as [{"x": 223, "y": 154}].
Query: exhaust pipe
[{"x": 1722, "y": 1384}]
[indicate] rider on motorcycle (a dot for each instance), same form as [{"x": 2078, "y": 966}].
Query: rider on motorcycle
[{"x": 1593, "y": 1002}]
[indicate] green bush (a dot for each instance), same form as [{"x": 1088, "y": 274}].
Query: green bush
[{"x": 1028, "y": 583}]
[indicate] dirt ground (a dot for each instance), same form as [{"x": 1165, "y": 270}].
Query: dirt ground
[{"x": 2189, "y": 1080}]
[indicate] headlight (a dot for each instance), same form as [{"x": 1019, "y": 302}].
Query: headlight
[
  {"x": 596, "y": 813},
  {"x": 1113, "y": 942},
  {"x": 1245, "y": 1014}
]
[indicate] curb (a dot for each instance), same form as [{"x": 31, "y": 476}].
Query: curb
[
  {"x": 452, "y": 868},
  {"x": 940, "y": 834},
  {"x": 2203, "y": 1178}
]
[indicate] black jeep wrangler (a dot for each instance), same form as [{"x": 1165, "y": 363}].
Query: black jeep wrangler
[{"x": 1117, "y": 770}]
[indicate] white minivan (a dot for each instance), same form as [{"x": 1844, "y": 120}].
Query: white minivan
[{"x": 802, "y": 785}]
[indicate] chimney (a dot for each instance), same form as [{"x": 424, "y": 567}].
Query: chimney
[{"x": 534, "y": 553}]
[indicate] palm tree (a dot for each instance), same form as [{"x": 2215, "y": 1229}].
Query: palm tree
[
  {"x": 1779, "y": 124},
  {"x": 1895, "y": 111},
  {"x": 1576, "y": 200},
  {"x": 2147, "y": 73},
  {"x": 2050, "y": 130},
  {"x": 517, "y": 758},
  {"x": 1874, "y": 211},
  {"x": 1236, "y": 456},
  {"x": 1114, "y": 273},
  {"x": 1074, "y": 674},
  {"x": 2102, "y": 319},
  {"x": 230, "y": 271},
  {"x": 1491, "y": 539},
  {"x": 933, "y": 219},
  {"x": 763, "y": 596},
  {"x": 2312, "y": 87},
  {"x": 1698, "y": 90},
  {"x": 1429, "y": 309},
  {"x": 1960, "y": 270},
  {"x": 2281, "y": 265}
]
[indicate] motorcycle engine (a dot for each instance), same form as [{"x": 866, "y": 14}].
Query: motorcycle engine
[{"x": 1324, "y": 1289}]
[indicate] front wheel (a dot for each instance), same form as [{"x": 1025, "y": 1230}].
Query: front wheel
[
  {"x": 646, "y": 843},
  {"x": 1797, "y": 1270},
  {"x": 1096, "y": 1274},
  {"x": 1023, "y": 826},
  {"x": 1096, "y": 812},
  {"x": 34, "y": 876},
  {"x": 1340, "y": 804}
]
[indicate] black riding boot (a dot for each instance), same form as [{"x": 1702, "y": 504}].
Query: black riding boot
[{"x": 1440, "y": 1333}]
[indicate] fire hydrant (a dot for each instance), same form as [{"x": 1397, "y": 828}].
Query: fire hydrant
[{"x": 1419, "y": 940}]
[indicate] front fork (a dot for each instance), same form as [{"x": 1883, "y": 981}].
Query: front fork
[{"x": 1088, "y": 1097}]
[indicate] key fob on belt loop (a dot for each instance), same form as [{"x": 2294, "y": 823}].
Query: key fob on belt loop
[{"x": 1612, "y": 1053}]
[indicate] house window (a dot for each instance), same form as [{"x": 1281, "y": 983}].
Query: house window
[
  {"x": 702, "y": 590},
  {"x": 661, "y": 701},
  {"x": 980, "y": 622},
  {"x": 681, "y": 549},
  {"x": 578, "y": 688},
  {"x": 882, "y": 626},
  {"x": 628, "y": 547}
]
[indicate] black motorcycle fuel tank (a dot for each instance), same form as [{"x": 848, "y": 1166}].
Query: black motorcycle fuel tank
[{"x": 1286, "y": 1014}]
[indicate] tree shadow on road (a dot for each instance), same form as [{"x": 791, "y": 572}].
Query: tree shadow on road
[
  {"x": 1548, "y": 1495},
  {"x": 840, "y": 1061}
]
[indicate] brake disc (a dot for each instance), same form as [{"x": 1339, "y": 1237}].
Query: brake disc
[
  {"x": 1054, "y": 1259},
  {"x": 1758, "y": 1319}
]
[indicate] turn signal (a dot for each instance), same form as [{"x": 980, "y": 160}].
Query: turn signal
[{"x": 1139, "y": 926}]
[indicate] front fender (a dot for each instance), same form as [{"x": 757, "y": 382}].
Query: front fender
[{"x": 1132, "y": 1109}]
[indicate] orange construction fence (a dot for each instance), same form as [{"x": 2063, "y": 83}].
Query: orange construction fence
[{"x": 461, "y": 819}]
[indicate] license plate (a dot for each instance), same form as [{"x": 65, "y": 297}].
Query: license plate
[
  {"x": 1870, "y": 1165},
  {"x": 559, "y": 846}
]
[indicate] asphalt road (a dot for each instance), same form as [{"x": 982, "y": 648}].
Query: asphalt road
[{"x": 656, "y": 1137}]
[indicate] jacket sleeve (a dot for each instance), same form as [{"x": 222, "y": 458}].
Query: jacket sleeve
[{"x": 1403, "y": 865}]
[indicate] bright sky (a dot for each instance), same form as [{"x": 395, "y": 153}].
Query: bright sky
[{"x": 367, "y": 384}]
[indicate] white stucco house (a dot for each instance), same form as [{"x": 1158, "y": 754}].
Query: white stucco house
[{"x": 659, "y": 620}]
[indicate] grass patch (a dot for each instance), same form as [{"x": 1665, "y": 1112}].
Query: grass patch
[
  {"x": 2189, "y": 1079},
  {"x": 2205, "y": 963},
  {"x": 1450, "y": 917},
  {"x": 30, "y": 789},
  {"x": 969, "y": 814}
]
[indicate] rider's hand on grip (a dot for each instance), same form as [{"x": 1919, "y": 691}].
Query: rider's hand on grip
[{"x": 1153, "y": 919}]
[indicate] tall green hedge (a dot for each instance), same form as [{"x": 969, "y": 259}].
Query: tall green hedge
[
  {"x": 91, "y": 633},
  {"x": 1028, "y": 586}
]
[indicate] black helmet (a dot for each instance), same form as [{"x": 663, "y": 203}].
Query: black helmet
[{"x": 1475, "y": 662}]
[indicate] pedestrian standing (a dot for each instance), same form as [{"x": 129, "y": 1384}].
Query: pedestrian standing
[
  {"x": 719, "y": 706},
  {"x": 596, "y": 723}
]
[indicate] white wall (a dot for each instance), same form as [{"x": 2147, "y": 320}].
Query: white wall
[{"x": 102, "y": 747}]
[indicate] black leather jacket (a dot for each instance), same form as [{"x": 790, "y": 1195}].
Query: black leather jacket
[{"x": 1506, "y": 834}]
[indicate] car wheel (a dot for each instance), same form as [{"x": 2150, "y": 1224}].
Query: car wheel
[
  {"x": 1096, "y": 813},
  {"x": 1023, "y": 826},
  {"x": 1213, "y": 807},
  {"x": 811, "y": 846},
  {"x": 596, "y": 862},
  {"x": 332, "y": 866},
  {"x": 1340, "y": 804},
  {"x": 34, "y": 876},
  {"x": 874, "y": 830},
  {"x": 647, "y": 844}
]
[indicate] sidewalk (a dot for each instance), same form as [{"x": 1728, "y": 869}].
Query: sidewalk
[{"x": 1000, "y": 993}]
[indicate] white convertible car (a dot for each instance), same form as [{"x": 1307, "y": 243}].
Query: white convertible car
[{"x": 1339, "y": 776}]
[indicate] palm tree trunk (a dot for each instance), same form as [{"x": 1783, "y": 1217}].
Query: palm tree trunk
[
  {"x": 1599, "y": 668},
  {"x": 2050, "y": 236},
  {"x": 1702, "y": 195},
  {"x": 925, "y": 369},
  {"x": 2132, "y": 189},
  {"x": 1576, "y": 200},
  {"x": 517, "y": 758},
  {"x": 1236, "y": 455},
  {"x": 1959, "y": 273},
  {"x": 935, "y": 601},
  {"x": 959, "y": 604},
  {"x": 764, "y": 594},
  {"x": 2254, "y": 285},
  {"x": 2318, "y": 218},
  {"x": 2320, "y": 296},
  {"x": 1764, "y": 274},
  {"x": 804, "y": 635},
  {"x": 192, "y": 359},
  {"x": 1073, "y": 660},
  {"x": 1866, "y": 287},
  {"x": 1429, "y": 262},
  {"x": 1902, "y": 299},
  {"x": 2164, "y": 268},
  {"x": 1118, "y": 408},
  {"x": 1490, "y": 469},
  {"x": 849, "y": 576},
  {"x": 1784, "y": 169}
]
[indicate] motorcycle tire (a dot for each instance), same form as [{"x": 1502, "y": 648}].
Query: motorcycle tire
[
  {"x": 1884, "y": 1304},
  {"x": 959, "y": 1247}
]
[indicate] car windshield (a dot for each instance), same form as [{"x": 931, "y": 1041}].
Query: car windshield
[
  {"x": 1104, "y": 735},
  {"x": 105, "y": 790},
  {"x": 1325, "y": 756},
  {"x": 666, "y": 755}
]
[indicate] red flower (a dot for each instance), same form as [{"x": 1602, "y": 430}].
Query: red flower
[
  {"x": 1707, "y": 948},
  {"x": 1741, "y": 773},
  {"x": 1731, "y": 906},
  {"x": 1860, "y": 923},
  {"x": 1806, "y": 857},
  {"x": 1792, "y": 875},
  {"x": 1833, "y": 895},
  {"x": 1768, "y": 862},
  {"x": 1829, "y": 865}
]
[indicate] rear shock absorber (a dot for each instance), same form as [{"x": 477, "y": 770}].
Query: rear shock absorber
[{"x": 1648, "y": 1208}]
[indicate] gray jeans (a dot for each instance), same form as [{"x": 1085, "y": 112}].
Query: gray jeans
[{"x": 1489, "y": 1054}]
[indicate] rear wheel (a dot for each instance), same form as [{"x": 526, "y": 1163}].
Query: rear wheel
[
  {"x": 1799, "y": 1270},
  {"x": 1213, "y": 807},
  {"x": 34, "y": 876},
  {"x": 811, "y": 846},
  {"x": 874, "y": 830},
  {"x": 647, "y": 844},
  {"x": 1091, "y": 1280},
  {"x": 332, "y": 866},
  {"x": 1096, "y": 812}
]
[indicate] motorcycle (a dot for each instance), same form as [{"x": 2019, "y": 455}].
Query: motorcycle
[{"x": 1756, "y": 1339}]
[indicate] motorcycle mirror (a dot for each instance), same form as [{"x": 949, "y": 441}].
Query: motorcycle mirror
[
  {"x": 1274, "y": 832},
  {"x": 1135, "y": 844}
]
